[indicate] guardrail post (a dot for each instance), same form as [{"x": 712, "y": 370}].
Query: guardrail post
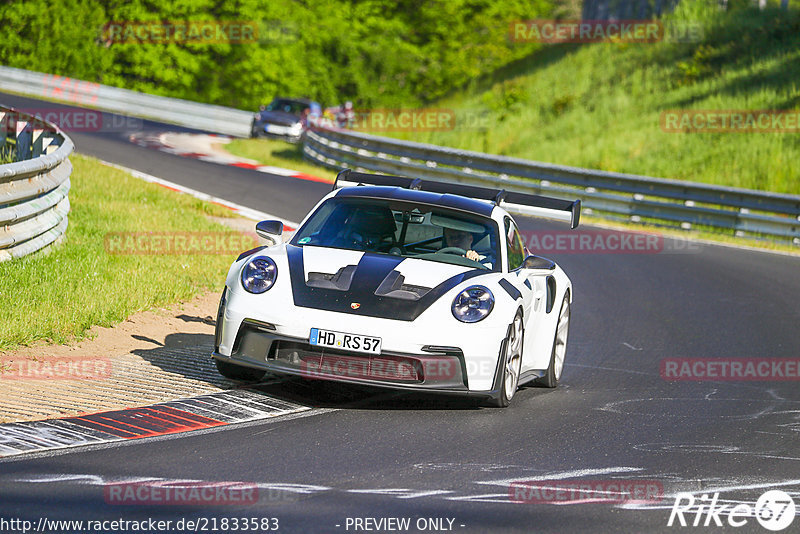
[
  {"x": 24, "y": 139},
  {"x": 37, "y": 146},
  {"x": 3, "y": 128},
  {"x": 10, "y": 132}
]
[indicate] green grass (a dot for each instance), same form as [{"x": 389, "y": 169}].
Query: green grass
[
  {"x": 599, "y": 105},
  {"x": 57, "y": 296},
  {"x": 277, "y": 154},
  {"x": 7, "y": 155}
]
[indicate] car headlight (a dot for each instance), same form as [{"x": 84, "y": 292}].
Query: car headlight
[
  {"x": 473, "y": 304},
  {"x": 296, "y": 128},
  {"x": 259, "y": 274}
]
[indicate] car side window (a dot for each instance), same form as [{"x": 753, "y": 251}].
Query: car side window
[{"x": 516, "y": 250}]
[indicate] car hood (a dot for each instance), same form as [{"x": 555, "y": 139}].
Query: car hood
[
  {"x": 278, "y": 117},
  {"x": 375, "y": 285}
]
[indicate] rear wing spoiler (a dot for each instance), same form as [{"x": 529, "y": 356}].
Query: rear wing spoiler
[{"x": 520, "y": 203}]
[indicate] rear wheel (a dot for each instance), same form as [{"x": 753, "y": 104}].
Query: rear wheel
[
  {"x": 553, "y": 374},
  {"x": 239, "y": 372},
  {"x": 512, "y": 363}
]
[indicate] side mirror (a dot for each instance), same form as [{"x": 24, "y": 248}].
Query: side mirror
[
  {"x": 537, "y": 262},
  {"x": 270, "y": 230}
]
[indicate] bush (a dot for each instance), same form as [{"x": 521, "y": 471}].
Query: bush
[{"x": 378, "y": 53}]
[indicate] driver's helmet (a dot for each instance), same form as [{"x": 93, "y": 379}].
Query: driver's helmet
[{"x": 371, "y": 226}]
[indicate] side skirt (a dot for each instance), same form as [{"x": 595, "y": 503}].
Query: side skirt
[{"x": 529, "y": 376}]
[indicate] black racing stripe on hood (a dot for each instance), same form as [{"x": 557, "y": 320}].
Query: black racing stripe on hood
[{"x": 370, "y": 272}]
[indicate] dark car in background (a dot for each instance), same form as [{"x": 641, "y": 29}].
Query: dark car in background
[{"x": 285, "y": 118}]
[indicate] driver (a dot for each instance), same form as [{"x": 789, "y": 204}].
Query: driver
[
  {"x": 370, "y": 228},
  {"x": 460, "y": 239}
]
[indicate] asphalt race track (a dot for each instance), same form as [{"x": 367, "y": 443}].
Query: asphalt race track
[
  {"x": 286, "y": 196},
  {"x": 449, "y": 465}
]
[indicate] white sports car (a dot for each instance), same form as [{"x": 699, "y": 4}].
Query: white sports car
[{"x": 401, "y": 283}]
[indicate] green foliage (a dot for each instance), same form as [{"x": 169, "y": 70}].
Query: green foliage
[
  {"x": 378, "y": 53},
  {"x": 278, "y": 154},
  {"x": 7, "y": 155},
  {"x": 54, "y": 37},
  {"x": 506, "y": 97},
  {"x": 59, "y": 295},
  {"x": 692, "y": 69},
  {"x": 600, "y": 105}
]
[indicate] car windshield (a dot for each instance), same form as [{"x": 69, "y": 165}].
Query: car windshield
[
  {"x": 287, "y": 106},
  {"x": 405, "y": 229}
]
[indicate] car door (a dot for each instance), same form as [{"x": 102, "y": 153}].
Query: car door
[
  {"x": 529, "y": 274},
  {"x": 515, "y": 257}
]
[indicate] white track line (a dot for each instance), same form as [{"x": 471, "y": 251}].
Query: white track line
[{"x": 244, "y": 211}]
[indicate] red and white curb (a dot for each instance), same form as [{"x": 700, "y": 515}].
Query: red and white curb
[
  {"x": 174, "y": 417},
  {"x": 244, "y": 211},
  {"x": 203, "y": 147}
]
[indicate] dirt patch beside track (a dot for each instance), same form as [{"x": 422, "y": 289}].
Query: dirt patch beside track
[{"x": 153, "y": 356}]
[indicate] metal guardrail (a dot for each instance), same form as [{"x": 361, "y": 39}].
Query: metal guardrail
[
  {"x": 686, "y": 205},
  {"x": 34, "y": 188},
  {"x": 123, "y": 101}
]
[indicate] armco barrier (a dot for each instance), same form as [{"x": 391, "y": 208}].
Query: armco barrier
[
  {"x": 687, "y": 205},
  {"x": 205, "y": 117},
  {"x": 33, "y": 189}
]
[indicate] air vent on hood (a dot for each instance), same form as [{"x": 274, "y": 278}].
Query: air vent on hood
[
  {"x": 340, "y": 281},
  {"x": 393, "y": 287}
]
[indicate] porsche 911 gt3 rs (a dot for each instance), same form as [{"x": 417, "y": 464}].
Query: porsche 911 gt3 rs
[{"x": 401, "y": 283}]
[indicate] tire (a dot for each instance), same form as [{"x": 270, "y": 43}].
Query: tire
[
  {"x": 239, "y": 372},
  {"x": 559, "y": 352},
  {"x": 511, "y": 364}
]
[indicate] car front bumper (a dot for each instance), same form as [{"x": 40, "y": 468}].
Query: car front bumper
[
  {"x": 276, "y": 131},
  {"x": 434, "y": 336},
  {"x": 436, "y": 368}
]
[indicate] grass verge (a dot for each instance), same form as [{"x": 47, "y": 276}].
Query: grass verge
[
  {"x": 600, "y": 105},
  {"x": 277, "y": 154},
  {"x": 57, "y": 297},
  {"x": 7, "y": 155}
]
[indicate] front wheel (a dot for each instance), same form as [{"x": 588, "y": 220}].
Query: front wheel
[
  {"x": 239, "y": 372},
  {"x": 553, "y": 374},
  {"x": 511, "y": 364}
]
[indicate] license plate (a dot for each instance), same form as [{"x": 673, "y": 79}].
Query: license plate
[{"x": 344, "y": 341}]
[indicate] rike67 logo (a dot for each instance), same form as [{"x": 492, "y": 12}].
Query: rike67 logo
[{"x": 774, "y": 510}]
